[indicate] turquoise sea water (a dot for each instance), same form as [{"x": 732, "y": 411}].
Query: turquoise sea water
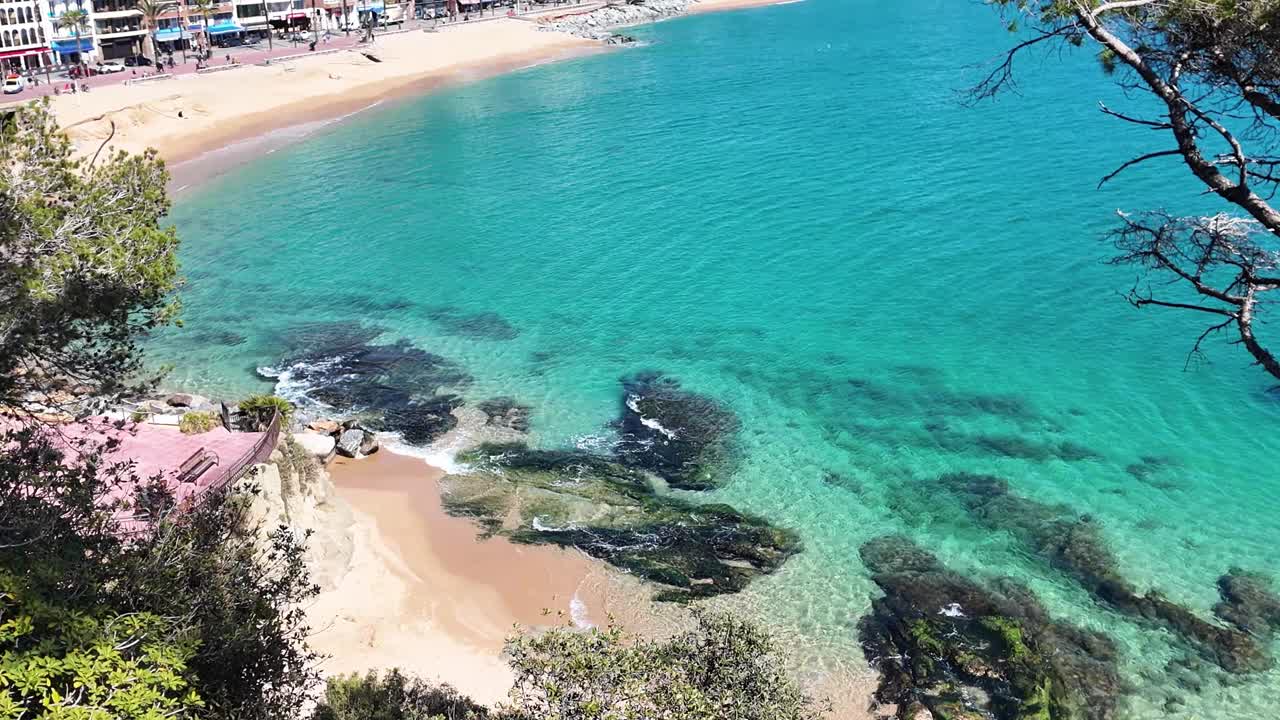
[{"x": 789, "y": 209}]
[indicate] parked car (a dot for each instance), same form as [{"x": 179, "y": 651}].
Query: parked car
[
  {"x": 111, "y": 66},
  {"x": 14, "y": 85},
  {"x": 137, "y": 61}
]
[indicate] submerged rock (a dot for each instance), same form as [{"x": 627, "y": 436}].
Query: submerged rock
[
  {"x": 612, "y": 512},
  {"x": 505, "y": 412},
  {"x": 683, "y": 437},
  {"x": 1074, "y": 545},
  {"x": 1249, "y": 602},
  {"x": 949, "y": 647},
  {"x": 478, "y": 326},
  {"x": 396, "y": 386}
]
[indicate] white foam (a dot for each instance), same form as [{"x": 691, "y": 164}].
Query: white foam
[
  {"x": 952, "y": 610},
  {"x": 647, "y": 422},
  {"x": 578, "y": 612},
  {"x": 444, "y": 458},
  {"x": 593, "y": 442},
  {"x": 537, "y": 525}
]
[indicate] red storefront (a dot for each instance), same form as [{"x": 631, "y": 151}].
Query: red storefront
[{"x": 28, "y": 59}]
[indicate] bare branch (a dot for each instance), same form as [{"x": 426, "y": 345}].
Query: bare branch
[{"x": 1135, "y": 161}]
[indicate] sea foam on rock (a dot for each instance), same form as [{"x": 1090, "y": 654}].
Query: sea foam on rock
[
  {"x": 395, "y": 386},
  {"x": 683, "y": 437}
]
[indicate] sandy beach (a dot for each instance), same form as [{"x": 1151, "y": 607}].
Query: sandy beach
[
  {"x": 423, "y": 592},
  {"x": 187, "y": 117}
]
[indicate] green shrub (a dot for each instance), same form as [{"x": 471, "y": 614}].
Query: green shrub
[
  {"x": 393, "y": 696},
  {"x": 723, "y": 668},
  {"x": 258, "y": 410},
  {"x": 65, "y": 663},
  {"x": 197, "y": 421}
]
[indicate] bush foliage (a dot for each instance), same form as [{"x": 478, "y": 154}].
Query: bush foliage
[
  {"x": 259, "y": 409},
  {"x": 197, "y": 422},
  {"x": 194, "y": 610},
  {"x": 723, "y": 668}
]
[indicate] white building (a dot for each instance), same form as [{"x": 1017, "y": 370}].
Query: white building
[
  {"x": 114, "y": 30},
  {"x": 24, "y": 34}
]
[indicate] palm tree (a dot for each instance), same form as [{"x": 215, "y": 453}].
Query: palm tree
[
  {"x": 151, "y": 12},
  {"x": 76, "y": 21},
  {"x": 205, "y": 8}
]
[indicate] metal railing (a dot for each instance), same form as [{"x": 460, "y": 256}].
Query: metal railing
[{"x": 255, "y": 455}]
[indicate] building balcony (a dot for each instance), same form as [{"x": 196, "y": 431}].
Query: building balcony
[
  {"x": 109, "y": 14},
  {"x": 120, "y": 34}
]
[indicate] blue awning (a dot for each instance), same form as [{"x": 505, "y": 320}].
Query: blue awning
[
  {"x": 69, "y": 46},
  {"x": 225, "y": 28},
  {"x": 171, "y": 35}
]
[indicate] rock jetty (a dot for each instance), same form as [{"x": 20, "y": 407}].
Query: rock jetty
[{"x": 599, "y": 24}]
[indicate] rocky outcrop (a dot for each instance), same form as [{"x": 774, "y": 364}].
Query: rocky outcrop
[
  {"x": 293, "y": 489},
  {"x": 1074, "y": 545},
  {"x": 950, "y": 647},
  {"x": 612, "y": 512},
  {"x": 683, "y": 437},
  {"x": 598, "y": 24},
  {"x": 393, "y": 387}
]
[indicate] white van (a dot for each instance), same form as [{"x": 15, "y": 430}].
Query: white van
[{"x": 14, "y": 85}]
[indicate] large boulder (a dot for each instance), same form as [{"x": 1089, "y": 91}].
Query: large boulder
[
  {"x": 187, "y": 400},
  {"x": 349, "y": 442},
  {"x": 326, "y": 427},
  {"x": 318, "y": 446}
]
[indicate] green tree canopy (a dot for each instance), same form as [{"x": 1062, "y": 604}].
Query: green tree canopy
[
  {"x": 87, "y": 266},
  {"x": 201, "y": 608}
]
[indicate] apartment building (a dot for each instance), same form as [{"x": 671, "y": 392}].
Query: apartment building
[
  {"x": 24, "y": 34},
  {"x": 114, "y": 30}
]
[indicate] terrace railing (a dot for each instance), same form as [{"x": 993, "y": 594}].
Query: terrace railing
[{"x": 255, "y": 455}]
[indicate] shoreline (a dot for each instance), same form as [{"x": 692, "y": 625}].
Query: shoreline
[
  {"x": 203, "y": 125},
  {"x": 425, "y": 592},
  {"x": 437, "y": 599}
]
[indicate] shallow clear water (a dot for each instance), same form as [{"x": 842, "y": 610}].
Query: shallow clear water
[{"x": 768, "y": 204}]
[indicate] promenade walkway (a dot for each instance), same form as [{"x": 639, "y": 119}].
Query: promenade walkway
[{"x": 225, "y": 59}]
